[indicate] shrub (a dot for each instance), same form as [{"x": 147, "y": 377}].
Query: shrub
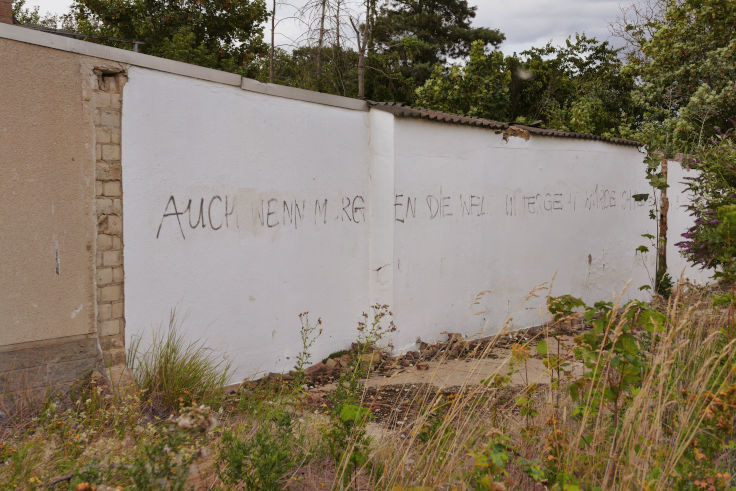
[
  {"x": 174, "y": 373},
  {"x": 711, "y": 241}
]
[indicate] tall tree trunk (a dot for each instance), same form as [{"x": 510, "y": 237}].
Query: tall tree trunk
[
  {"x": 320, "y": 44},
  {"x": 361, "y": 74},
  {"x": 337, "y": 25},
  {"x": 273, "y": 28},
  {"x": 363, "y": 41}
]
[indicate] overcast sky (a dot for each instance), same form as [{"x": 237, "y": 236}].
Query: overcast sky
[{"x": 526, "y": 23}]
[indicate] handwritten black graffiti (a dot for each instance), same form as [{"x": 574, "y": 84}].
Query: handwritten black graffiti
[
  {"x": 287, "y": 213},
  {"x": 219, "y": 212},
  {"x": 353, "y": 209},
  {"x": 216, "y": 206}
]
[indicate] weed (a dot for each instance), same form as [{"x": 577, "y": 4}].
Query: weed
[
  {"x": 308, "y": 334},
  {"x": 489, "y": 469},
  {"x": 173, "y": 373},
  {"x": 164, "y": 463},
  {"x": 262, "y": 461}
]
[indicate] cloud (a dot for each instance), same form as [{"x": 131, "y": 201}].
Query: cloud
[{"x": 529, "y": 23}]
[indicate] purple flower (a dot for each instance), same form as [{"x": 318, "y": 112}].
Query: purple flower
[{"x": 714, "y": 222}]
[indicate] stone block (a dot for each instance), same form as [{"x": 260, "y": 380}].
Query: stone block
[
  {"x": 104, "y": 242},
  {"x": 115, "y": 357},
  {"x": 103, "y": 135},
  {"x": 110, "y": 152},
  {"x": 102, "y": 99},
  {"x": 112, "y": 188},
  {"x": 110, "y": 118},
  {"x": 117, "y": 310},
  {"x": 104, "y": 277},
  {"x": 104, "y": 312},
  {"x": 48, "y": 353},
  {"x": 111, "y": 343},
  {"x": 106, "y": 171},
  {"x": 111, "y": 293},
  {"x": 112, "y": 224},
  {"x": 110, "y": 327},
  {"x": 103, "y": 205},
  {"x": 117, "y": 275},
  {"x": 112, "y": 258}
]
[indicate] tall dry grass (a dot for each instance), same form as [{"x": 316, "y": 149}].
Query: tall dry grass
[{"x": 656, "y": 439}]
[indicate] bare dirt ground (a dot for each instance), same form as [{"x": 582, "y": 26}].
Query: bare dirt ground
[{"x": 398, "y": 387}]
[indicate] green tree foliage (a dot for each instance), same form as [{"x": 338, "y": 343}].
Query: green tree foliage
[
  {"x": 688, "y": 69},
  {"x": 410, "y": 36},
  {"x": 222, "y": 34},
  {"x": 479, "y": 88},
  {"x": 579, "y": 86},
  {"x": 684, "y": 55},
  {"x": 32, "y": 15}
]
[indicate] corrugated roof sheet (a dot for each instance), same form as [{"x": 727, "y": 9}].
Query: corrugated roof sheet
[{"x": 402, "y": 111}]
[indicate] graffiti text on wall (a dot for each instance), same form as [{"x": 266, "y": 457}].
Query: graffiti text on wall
[{"x": 217, "y": 212}]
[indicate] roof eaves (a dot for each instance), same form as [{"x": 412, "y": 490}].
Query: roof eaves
[{"x": 403, "y": 111}]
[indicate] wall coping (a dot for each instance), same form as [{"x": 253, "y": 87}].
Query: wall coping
[{"x": 62, "y": 43}]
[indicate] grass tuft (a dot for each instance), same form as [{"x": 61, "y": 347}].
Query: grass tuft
[{"x": 173, "y": 372}]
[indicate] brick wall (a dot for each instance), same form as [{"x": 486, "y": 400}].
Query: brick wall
[{"x": 109, "y": 206}]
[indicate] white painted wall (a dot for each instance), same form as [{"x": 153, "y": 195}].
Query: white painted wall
[
  {"x": 678, "y": 222},
  {"x": 240, "y": 272},
  {"x": 503, "y": 217},
  {"x": 241, "y": 287}
]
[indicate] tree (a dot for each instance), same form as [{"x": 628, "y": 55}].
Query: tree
[
  {"x": 32, "y": 16},
  {"x": 222, "y": 34},
  {"x": 688, "y": 70},
  {"x": 479, "y": 88},
  {"x": 410, "y": 36},
  {"x": 578, "y": 86}
]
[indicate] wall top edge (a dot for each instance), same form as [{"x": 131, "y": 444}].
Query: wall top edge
[
  {"x": 62, "y": 43},
  {"x": 304, "y": 95}
]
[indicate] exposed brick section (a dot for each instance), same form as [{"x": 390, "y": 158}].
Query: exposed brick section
[
  {"x": 6, "y": 11},
  {"x": 109, "y": 208}
]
